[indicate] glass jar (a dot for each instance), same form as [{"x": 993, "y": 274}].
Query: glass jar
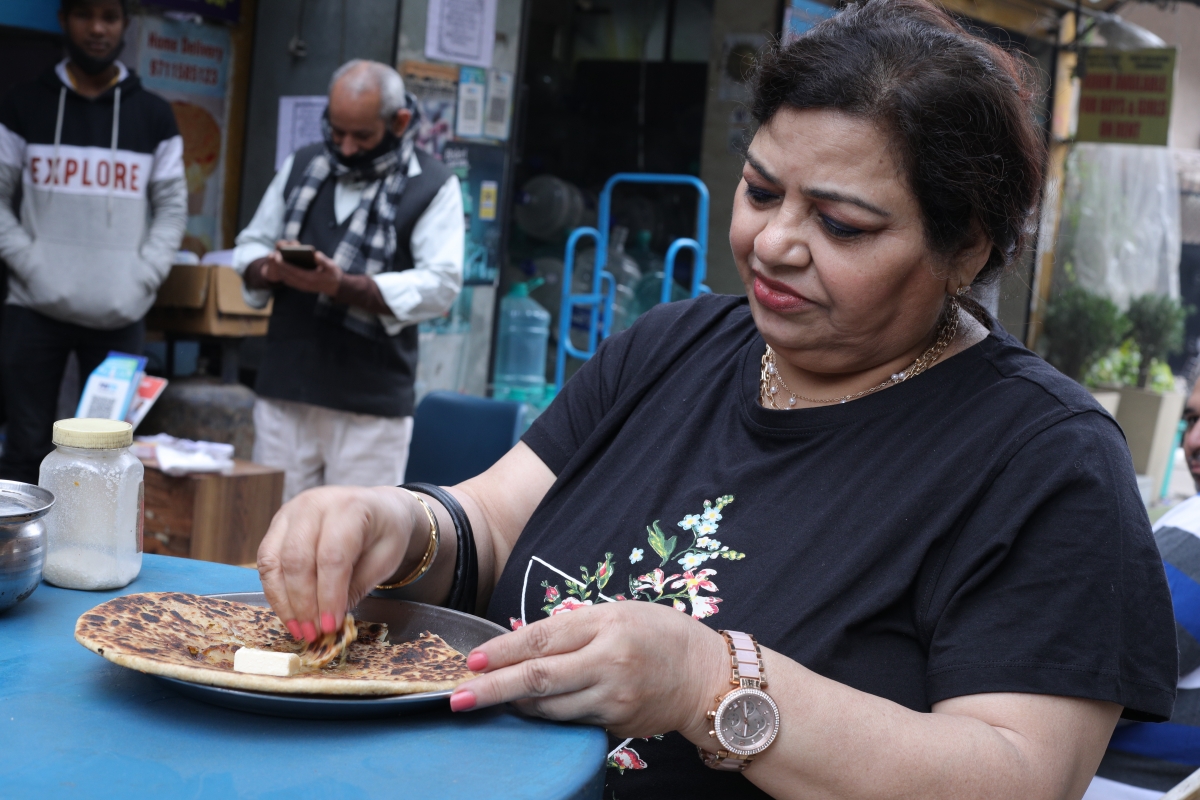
[{"x": 94, "y": 530}]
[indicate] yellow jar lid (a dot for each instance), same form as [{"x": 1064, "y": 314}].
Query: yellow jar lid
[{"x": 93, "y": 434}]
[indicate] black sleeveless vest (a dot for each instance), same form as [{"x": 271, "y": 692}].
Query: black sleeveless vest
[{"x": 316, "y": 359}]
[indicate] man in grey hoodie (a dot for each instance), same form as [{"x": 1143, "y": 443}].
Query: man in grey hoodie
[{"x": 98, "y": 164}]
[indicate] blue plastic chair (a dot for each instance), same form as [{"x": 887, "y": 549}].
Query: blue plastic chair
[{"x": 457, "y": 436}]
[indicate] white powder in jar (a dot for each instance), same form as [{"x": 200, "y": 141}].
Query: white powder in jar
[{"x": 88, "y": 568}]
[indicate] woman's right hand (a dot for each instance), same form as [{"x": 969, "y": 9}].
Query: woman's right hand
[{"x": 328, "y": 547}]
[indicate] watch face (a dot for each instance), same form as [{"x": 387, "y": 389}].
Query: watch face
[{"x": 747, "y": 721}]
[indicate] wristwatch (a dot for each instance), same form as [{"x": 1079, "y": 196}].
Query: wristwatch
[{"x": 746, "y": 719}]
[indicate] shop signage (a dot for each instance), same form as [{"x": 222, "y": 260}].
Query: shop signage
[
  {"x": 1125, "y": 95},
  {"x": 480, "y": 170},
  {"x": 188, "y": 65},
  {"x": 223, "y": 10}
]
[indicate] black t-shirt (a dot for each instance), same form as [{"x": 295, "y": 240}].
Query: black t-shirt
[{"x": 975, "y": 529}]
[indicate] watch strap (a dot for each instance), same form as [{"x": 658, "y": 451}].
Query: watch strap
[
  {"x": 748, "y": 672},
  {"x": 723, "y": 761},
  {"x": 746, "y": 660}
]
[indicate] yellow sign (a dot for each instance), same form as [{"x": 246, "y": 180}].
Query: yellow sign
[
  {"x": 1125, "y": 95},
  {"x": 488, "y": 191}
]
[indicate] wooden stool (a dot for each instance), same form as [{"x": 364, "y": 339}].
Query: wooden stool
[{"x": 209, "y": 516}]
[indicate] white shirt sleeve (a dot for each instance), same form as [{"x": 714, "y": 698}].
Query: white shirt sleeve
[
  {"x": 257, "y": 240},
  {"x": 428, "y": 289}
]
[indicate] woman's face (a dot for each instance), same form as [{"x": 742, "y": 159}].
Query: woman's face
[{"x": 829, "y": 243}]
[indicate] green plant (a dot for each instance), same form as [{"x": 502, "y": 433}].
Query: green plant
[
  {"x": 1156, "y": 327},
  {"x": 1120, "y": 366},
  {"x": 1081, "y": 326}
]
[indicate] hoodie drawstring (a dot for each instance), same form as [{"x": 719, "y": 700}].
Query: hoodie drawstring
[
  {"x": 112, "y": 167},
  {"x": 56, "y": 170}
]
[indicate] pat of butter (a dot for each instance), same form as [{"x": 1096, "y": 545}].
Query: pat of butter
[{"x": 265, "y": 662}]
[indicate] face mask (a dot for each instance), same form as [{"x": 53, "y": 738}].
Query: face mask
[
  {"x": 89, "y": 65},
  {"x": 363, "y": 158}
]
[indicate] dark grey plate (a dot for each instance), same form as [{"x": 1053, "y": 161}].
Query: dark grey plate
[{"x": 405, "y": 620}]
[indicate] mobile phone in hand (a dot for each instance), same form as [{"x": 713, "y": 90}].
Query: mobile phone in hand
[{"x": 303, "y": 256}]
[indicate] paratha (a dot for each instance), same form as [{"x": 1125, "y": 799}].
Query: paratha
[
  {"x": 329, "y": 646},
  {"x": 193, "y": 638}
]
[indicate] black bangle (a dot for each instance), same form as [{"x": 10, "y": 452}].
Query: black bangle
[{"x": 465, "y": 588}]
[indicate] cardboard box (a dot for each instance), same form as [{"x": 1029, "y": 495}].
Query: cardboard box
[{"x": 205, "y": 300}]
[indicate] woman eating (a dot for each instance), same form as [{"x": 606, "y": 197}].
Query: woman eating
[{"x": 842, "y": 537}]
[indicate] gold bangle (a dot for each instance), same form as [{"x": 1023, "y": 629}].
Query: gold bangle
[{"x": 430, "y": 552}]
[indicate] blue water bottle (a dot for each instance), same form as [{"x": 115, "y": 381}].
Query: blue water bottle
[{"x": 521, "y": 347}]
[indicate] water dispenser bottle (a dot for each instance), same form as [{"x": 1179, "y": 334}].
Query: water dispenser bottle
[{"x": 521, "y": 347}]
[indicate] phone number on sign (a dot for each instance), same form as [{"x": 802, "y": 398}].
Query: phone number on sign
[{"x": 190, "y": 73}]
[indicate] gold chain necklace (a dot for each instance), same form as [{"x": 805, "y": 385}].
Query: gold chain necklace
[{"x": 771, "y": 381}]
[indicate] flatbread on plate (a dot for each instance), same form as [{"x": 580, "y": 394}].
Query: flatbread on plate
[
  {"x": 329, "y": 646},
  {"x": 193, "y": 638}
]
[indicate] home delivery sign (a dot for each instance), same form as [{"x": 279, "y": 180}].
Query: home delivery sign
[{"x": 1125, "y": 95}]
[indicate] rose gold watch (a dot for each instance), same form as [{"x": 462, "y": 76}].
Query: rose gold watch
[{"x": 746, "y": 719}]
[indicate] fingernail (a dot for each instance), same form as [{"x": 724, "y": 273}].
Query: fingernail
[
  {"x": 294, "y": 629},
  {"x": 477, "y": 661},
  {"x": 327, "y": 622},
  {"x": 462, "y": 701},
  {"x": 310, "y": 632}
]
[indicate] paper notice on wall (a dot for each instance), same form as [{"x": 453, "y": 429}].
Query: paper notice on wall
[
  {"x": 499, "y": 105},
  {"x": 461, "y": 31},
  {"x": 472, "y": 90},
  {"x": 299, "y": 124}
]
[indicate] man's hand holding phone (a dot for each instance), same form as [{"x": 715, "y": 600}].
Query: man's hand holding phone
[{"x": 289, "y": 265}]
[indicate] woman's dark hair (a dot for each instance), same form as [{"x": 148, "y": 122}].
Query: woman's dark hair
[{"x": 958, "y": 110}]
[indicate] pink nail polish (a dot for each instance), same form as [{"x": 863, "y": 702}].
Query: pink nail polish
[
  {"x": 328, "y": 625},
  {"x": 462, "y": 701},
  {"x": 477, "y": 661},
  {"x": 294, "y": 629},
  {"x": 310, "y": 632}
]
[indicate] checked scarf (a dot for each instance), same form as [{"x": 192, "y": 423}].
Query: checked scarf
[{"x": 369, "y": 244}]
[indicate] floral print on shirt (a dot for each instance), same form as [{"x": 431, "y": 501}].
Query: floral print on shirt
[{"x": 691, "y": 590}]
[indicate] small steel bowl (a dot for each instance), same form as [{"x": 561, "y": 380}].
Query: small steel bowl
[{"x": 22, "y": 539}]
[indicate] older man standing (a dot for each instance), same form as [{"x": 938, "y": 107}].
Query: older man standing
[{"x": 386, "y": 221}]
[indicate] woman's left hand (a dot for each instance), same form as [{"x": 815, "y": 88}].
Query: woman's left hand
[{"x": 636, "y": 668}]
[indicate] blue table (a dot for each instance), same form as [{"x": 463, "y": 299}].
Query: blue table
[{"x": 73, "y": 725}]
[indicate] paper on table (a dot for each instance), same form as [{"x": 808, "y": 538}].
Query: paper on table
[
  {"x": 181, "y": 456},
  {"x": 299, "y": 124},
  {"x": 461, "y": 31}
]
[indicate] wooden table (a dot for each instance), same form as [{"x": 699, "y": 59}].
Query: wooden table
[
  {"x": 209, "y": 516},
  {"x": 74, "y": 725}
]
